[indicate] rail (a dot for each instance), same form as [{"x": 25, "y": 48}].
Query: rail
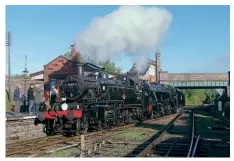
[
  {"x": 36, "y": 144},
  {"x": 224, "y": 119},
  {"x": 195, "y": 146},
  {"x": 192, "y": 137},
  {"x": 149, "y": 147}
]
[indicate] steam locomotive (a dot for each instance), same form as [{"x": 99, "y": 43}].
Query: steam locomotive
[{"x": 97, "y": 102}]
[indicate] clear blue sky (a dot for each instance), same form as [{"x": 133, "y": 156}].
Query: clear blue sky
[{"x": 198, "y": 39}]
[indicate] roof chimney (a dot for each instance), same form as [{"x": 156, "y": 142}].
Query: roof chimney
[
  {"x": 75, "y": 55},
  {"x": 157, "y": 66}
]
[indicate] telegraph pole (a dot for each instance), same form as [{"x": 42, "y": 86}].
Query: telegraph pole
[
  {"x": 8, "y": 44},
  {"x": 25, "y": 74},
  {"x": 25, "y": 77}
]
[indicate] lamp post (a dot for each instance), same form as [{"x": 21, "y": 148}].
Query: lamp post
[{"x": 8, "y": 44}]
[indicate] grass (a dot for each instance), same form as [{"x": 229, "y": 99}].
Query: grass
[
  {"x": 64, "y": 153},
  {"x": 134, "y": 134}
]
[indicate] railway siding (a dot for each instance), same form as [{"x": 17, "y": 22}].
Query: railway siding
[{"x": 215, "y": 135}]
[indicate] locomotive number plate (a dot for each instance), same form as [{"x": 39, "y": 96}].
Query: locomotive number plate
[{"x": 71, "y": 84}]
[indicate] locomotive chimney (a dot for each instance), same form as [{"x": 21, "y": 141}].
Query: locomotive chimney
[{"x": 80, "y": 69}]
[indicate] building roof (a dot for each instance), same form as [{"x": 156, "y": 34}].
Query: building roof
[
  {"x": 37, "y": 73},
  {"x": 55, "y": 59},
  {"x": 92, "y": 67}
]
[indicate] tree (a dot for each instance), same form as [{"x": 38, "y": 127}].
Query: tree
[
  {"x": 188, "y": 93},
  {"x": 196, "y": 96},
  {"x": 110, "y": 67},
  {"x": 69, "y": 56}
]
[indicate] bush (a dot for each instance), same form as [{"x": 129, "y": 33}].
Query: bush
[{"x": 9, "y": 103}]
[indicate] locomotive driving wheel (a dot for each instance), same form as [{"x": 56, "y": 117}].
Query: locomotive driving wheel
[{"x": 48, "y": 131}]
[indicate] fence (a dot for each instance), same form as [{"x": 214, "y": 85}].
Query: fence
[
  {"x": 21, "y": 81},
  {"x": 13, "y": 85}
]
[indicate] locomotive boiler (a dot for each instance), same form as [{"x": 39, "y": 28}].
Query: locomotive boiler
[{"x": 97, "y": 102}]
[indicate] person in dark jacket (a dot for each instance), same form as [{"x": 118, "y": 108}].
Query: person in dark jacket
[
  {"x": 31, "y": 97},
  {"x": 38, "y": 97},
  {"x": 53, "y": 96},
  {"x": 17, "y": 99}
]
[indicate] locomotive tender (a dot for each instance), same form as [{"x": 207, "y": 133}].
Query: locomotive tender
[{"x": 97, "y": 102}]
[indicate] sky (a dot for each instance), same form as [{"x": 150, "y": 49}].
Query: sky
[{"x": 197, "y": 39}]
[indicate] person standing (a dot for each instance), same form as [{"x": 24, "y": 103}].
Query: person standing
[
  {"x": 53, "y": 97},
  {"x": 31, "y": 97},
  {"x": 38, "y": 97},
  {"x": 17, "y": 99}
]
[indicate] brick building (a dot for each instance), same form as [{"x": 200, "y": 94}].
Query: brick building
[
  {"x": 56, "y": 70},
  {"x": 59, "y": 68}
]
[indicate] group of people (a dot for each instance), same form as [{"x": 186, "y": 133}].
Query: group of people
[{"x": 34, "y": 98}]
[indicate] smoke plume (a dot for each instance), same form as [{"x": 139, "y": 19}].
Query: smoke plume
[{"x": 132, "y": 30}]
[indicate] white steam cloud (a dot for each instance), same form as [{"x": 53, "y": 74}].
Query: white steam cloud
[{"x": 134, "y": 30}]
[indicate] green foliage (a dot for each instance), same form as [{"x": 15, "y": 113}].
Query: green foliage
[
  {"x": 69, "y": 56},
  {"x": 197, "y": 96},
  {"x": 110, "y": 67},
  {"x": 9, "y": 103},
  {"x": 188, "y": 93}
]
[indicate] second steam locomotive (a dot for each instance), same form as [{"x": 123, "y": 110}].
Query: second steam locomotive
[{"x": 97, "y": 102}]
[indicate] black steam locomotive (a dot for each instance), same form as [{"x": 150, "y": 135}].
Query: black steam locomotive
[{"x": 97, "y": 102}]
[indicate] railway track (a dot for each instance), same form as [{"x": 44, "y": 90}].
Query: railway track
[
  {"x": 39, "y": 147},
  {"x": 214, "y": 141},
  {"x": 176, "y": 139},
  {"x": 30, "y": 147},
  {"x": 227, "y": 121},
  {"x": 122, "y": 143}
]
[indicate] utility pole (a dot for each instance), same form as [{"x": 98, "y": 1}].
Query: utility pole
[
  {"x": 25, "y": 74},
  {"x": 8, "y": 44},
  {"x": 25, "y": 77}
]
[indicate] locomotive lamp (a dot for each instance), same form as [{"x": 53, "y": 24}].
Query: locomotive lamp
[{"x": 64, "y": 106}]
